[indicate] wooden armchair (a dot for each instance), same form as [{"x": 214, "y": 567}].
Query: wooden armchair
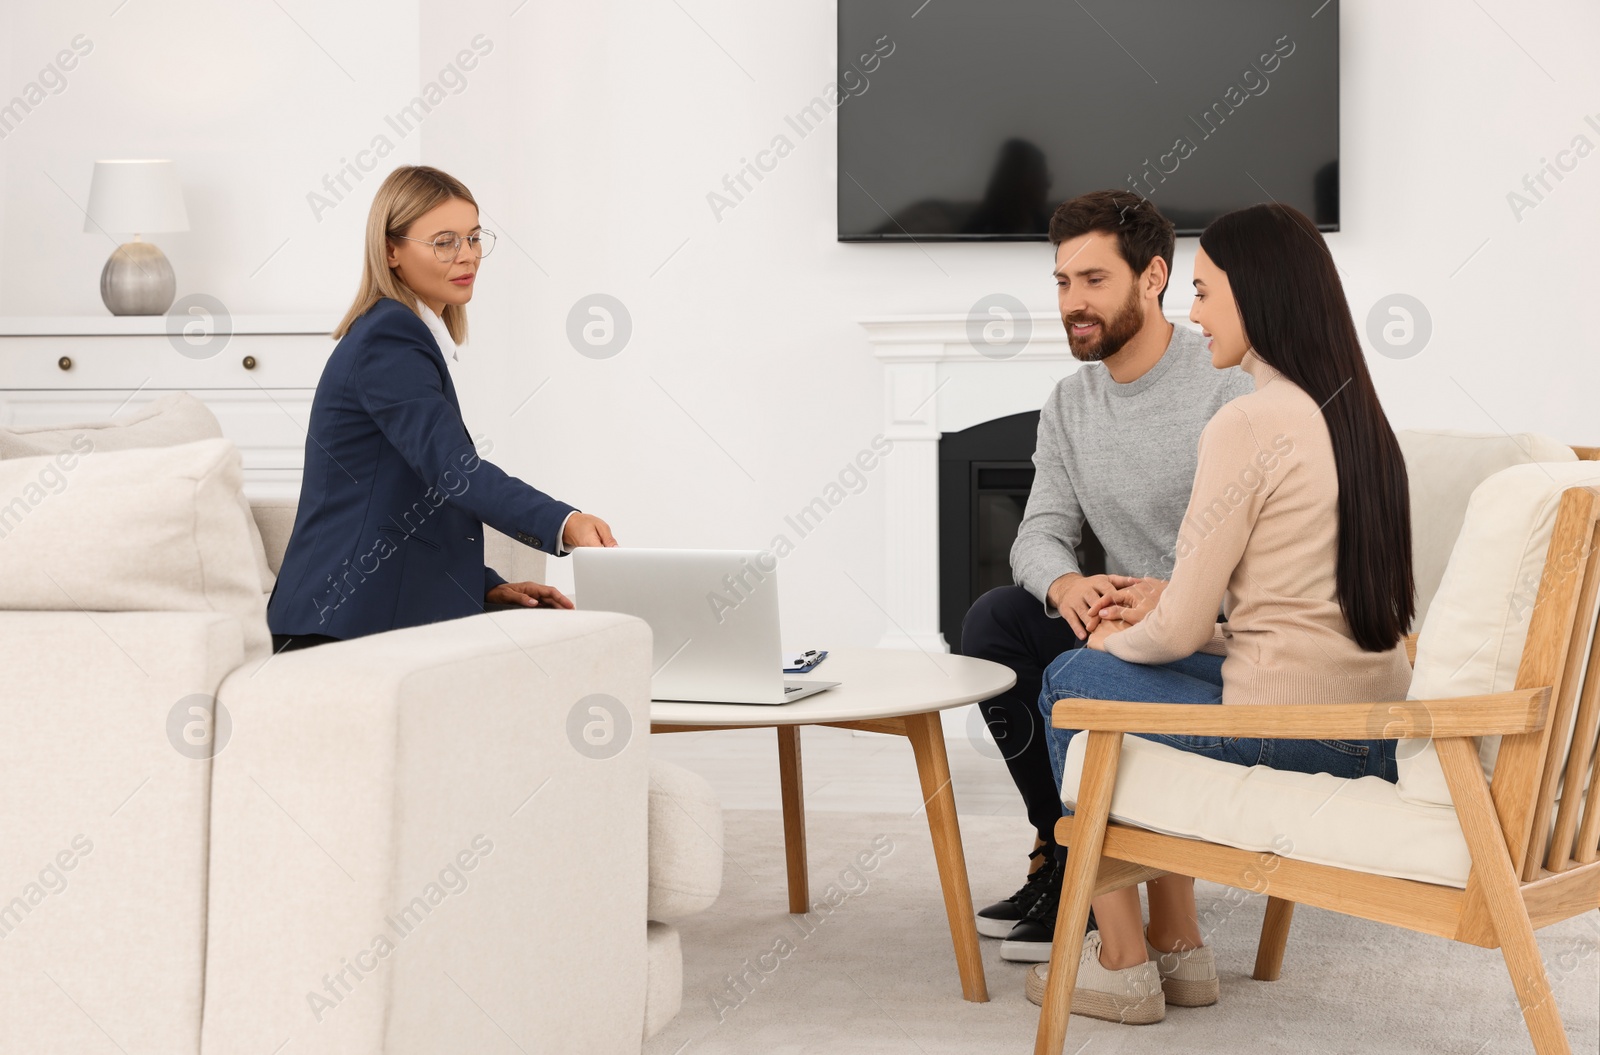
[{"x": 1535, "y": 853}]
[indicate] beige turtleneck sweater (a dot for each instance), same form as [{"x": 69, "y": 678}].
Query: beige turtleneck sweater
[{"x": 1260, "y": 536}]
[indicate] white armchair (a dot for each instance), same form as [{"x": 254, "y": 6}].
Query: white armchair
[{"x": 1475, "y": 842}]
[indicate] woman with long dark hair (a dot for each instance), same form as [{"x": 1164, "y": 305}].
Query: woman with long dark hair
[{"x": 1298, "y": 527}]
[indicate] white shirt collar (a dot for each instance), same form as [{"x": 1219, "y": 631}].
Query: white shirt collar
[{"x": 440, "y": 331}]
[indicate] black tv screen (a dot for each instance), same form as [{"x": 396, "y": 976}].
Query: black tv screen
[{"x": 972, "y": 121}]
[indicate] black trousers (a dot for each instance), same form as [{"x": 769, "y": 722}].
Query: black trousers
[{"x": 1008, "y": 626}]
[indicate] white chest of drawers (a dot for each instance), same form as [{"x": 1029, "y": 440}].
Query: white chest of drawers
[{"x": 258, "y": 379}]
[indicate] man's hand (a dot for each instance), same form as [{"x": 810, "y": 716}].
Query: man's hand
[
  {"x": 527, "y": 594},
  {"x": 1130, "y": 603},
  {"x": 1106, "y": 627},
  {"x": 584, "y": 529},
  {"x": 1074, "y": 596}
]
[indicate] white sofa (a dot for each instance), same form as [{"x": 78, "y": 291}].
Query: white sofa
[{"x": 410, "y": 842}]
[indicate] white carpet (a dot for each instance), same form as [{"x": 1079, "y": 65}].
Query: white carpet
[{"x": 877, "y": 974}]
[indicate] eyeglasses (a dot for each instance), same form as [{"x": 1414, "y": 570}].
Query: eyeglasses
[{"x": 447, "y": 246}]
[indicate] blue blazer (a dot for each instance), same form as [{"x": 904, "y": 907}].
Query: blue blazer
[{"x": 389, "y": 530}]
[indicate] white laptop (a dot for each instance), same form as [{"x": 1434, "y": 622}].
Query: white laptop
[{"x": 713, "y": 615}]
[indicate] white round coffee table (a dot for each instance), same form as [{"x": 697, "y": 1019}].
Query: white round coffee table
[{"x": 882, "y": 691}]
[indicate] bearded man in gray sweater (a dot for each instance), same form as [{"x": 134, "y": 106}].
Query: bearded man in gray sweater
[{"x": 1116, "y": 452}]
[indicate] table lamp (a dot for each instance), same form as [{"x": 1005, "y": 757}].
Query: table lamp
[{"x": 139, "y": 197}]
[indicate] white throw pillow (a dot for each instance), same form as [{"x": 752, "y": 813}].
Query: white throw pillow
[
  {"x": 1443, "y": 467},
  {"x": 1471, "y": 643},
  {"x": 174, "y": 418},
  {"x": 156, "y": 529}
]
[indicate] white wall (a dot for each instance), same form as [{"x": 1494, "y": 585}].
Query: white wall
[
  {"x": 591, "y": 134},
  {"x": 256, "y": 106}
]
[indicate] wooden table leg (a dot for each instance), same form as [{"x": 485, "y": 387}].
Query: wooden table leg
[
  {"x": 926, "y": 733},
  {"x": 794, "y": 817},
  {"x": 1274, "y": 939}
]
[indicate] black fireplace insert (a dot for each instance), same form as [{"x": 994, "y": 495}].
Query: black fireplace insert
[{"x": 985, "y": 475}]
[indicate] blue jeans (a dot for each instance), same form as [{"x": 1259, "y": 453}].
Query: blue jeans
[{"x": 1089, "y": 674}]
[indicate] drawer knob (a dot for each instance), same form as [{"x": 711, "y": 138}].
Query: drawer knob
[
  {"x": 249, "y": 362},
  {"x": 65, "y": 362}
]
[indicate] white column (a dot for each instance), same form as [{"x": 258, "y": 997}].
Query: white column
[{"x": 911, "y": 507}]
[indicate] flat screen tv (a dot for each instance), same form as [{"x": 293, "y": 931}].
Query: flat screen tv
[{"x": 971, "y": 121}]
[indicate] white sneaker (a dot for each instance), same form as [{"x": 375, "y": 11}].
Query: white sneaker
[
  {"x": 1132, "y": 995},
  {"x": 1189, "y": 978}
]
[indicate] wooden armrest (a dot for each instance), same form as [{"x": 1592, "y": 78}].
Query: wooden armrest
[{"x": 1517, "y": 711}]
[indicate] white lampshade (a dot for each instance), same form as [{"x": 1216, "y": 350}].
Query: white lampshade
[{"x": 136, "y": 197}]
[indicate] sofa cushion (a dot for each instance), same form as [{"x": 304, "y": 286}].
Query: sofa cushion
[
  {"x": 274, "y": 520},
  {"x": 1443, "y": 467},
  {"x": 159, "y": 529},
  {"x": 174, "y": 418},
  {"x": 1472, "y": 641},
  {"x": 685, "y": 843},
  {"x": 1362, "y": 824}
]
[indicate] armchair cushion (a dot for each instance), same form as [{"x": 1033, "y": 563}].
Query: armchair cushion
[
  {"x": 1444, "y": 466},
  {"x": 1362, "y": 824},
  {"x": 174, "y": 418},
  {"x": 153, "y": 530},
  {"x": 1471, "y": 642}
]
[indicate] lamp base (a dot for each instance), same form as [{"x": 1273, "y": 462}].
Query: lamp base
[{"x": 138, "y": 280}]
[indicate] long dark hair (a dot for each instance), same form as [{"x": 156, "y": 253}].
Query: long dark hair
[{"x": 1296, "y": 318}]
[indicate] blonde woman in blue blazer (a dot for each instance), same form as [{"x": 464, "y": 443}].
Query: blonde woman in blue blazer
[{"x": 389, "y": 528}]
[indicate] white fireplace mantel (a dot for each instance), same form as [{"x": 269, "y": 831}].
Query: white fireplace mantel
[{"x": 935, "y": 381}]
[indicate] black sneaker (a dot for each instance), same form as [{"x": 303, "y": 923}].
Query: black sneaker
[
  {"x": 1029, "y": 941},
  {"x": 998, "y": 920}
]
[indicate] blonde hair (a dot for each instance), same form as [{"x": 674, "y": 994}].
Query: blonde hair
[{"x": 405, "y": 196}]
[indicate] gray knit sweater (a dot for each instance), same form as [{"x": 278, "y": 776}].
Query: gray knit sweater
[{"x": 1121, "y": 457}]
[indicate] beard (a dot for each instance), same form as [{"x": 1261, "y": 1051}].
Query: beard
[{"x": 1112, "y": 335}]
